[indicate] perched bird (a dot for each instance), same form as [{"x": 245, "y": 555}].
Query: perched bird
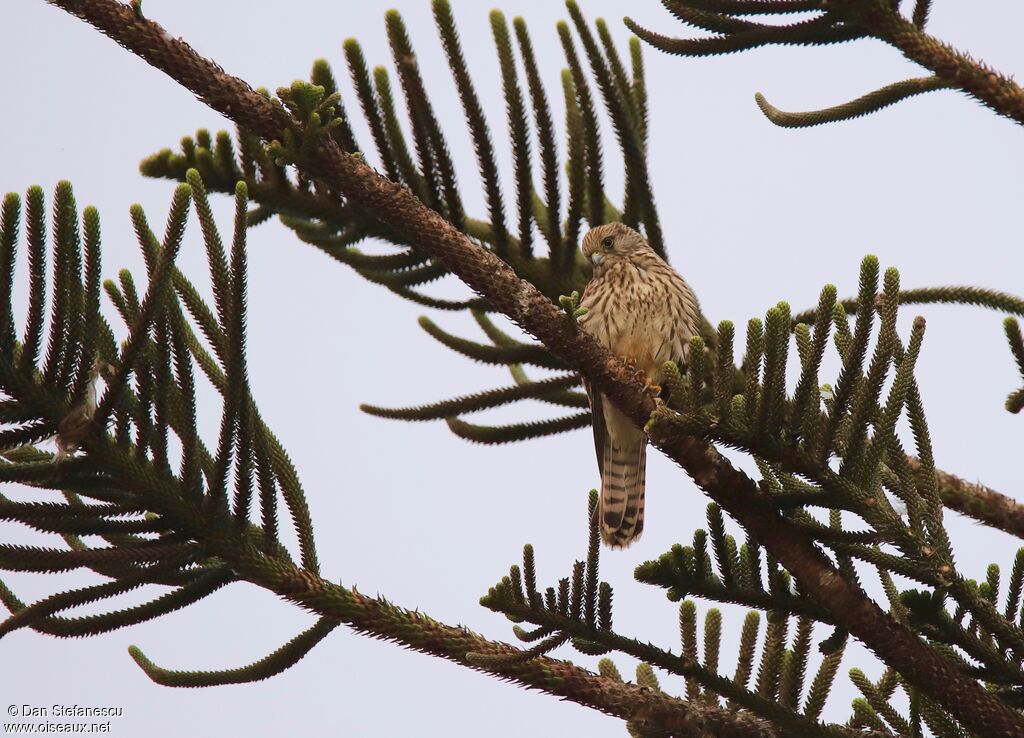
[{"x": 644, "y": 313}]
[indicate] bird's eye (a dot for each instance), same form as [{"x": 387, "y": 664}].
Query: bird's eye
[{"x": 607, "y": 243}]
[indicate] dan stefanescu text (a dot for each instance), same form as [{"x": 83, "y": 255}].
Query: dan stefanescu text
[{"x": 70, "y": 711}]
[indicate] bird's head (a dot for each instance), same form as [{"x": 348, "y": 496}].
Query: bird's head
[{"x": 608, "y": 244}]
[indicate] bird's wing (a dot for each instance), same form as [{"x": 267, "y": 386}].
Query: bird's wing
[
  {"x": 597, "y": 422},
  {"x": 596, "y": 403}
]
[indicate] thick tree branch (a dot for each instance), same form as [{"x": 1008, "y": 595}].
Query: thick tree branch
[
  {"x": 977, "y": 501},
  {"x": 995, "y": 90},
  {"x": 381, "y": 619},
  {"x": 892, "y": 642}
]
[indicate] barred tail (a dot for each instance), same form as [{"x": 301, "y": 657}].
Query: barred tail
[{"x": 623, "y": 477}]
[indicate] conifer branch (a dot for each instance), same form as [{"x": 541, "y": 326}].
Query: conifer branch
[
  {"x": 845, "y": 20},
  {"x": 548, "y": 151},
  {"x": 133, "y": 479},
  {"x": 590, "y": 138},
  {"x": 971, "y": 499},
  {"x": 540, "y": 390},
  {"x": 371, "y": 111},
  {"x": 825, "y": 29},
  {"x": 489, "y": 434},
  {"x": 977, "y": 501},
  {"x": 677, "y": 572},
  {"x": 516, "y": 353},
  {"x": 10, "y": 222},
  {"x": 954, "y": 295},
  {"x": 518, "y": 131},
  {"x": 28, "y": 616},
  {"x": 188, "y": 593},
  {"x": 996, "y": 91},
  {"x": 324, "y": 217},
  {"x": 280, "y": 660},
  {"x": 621, "y": 109},
  {"x": 380, "y": 619},
  {"x": 867, "y": 104},
  {"x": 1015, "y": 402},
  {"x": 434, "y": 159},
  {"x": 478, "y": 124},
  {"x": 566, "y": 617},
  {"x": 322, "y": 160}
]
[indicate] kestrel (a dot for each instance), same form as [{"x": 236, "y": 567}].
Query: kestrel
[{"x": 643, "y": 312}]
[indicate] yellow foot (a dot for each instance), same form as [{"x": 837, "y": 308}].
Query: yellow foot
[{"x": 650, "y": 388}]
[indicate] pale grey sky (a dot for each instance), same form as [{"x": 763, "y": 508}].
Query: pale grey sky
[{"x": 752, "y": 214}]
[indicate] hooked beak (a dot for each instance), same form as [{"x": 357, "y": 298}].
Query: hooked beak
[{"x": 596, "y": 258}]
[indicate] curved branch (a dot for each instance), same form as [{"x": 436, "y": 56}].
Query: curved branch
[
  {"x": 864, "y": 105},
  {"x": 492, "y": 434},
  {"x": 556, "y": 388},
  {"x": 271, "y": 665},
  {"x": 756, "y": 7},
  {"x": 814, "y": 32},
  {"x": 438, "y": 303},
  {"x": 892, "y": 641},
  {"x": 77, "y": 627},
  {"x": 514, "y": 353},
  {"x": 956, "y": 295},
  {"x": 921, "y": 9}
]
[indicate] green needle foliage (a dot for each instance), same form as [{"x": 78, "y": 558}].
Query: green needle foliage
[
  {"x": 337, "y": 226},
  {"x": 852, "y": 498},
  {"x": 415, "y": 152},
  {"x": 326, "y": 219},
  {"x": 1015, "y": 401},
  {"x": 566, "y": 617},
  {"x": 163, "y": 518},
  {"x": 842, "y": 453}
]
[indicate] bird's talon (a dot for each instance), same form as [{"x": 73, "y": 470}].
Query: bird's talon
[{"x": 650, "y": 388}]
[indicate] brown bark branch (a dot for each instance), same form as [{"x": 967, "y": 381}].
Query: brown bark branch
[
  {"x": 977, "y": 501},
  {"x": 383, "y": 620},
  {"x": 995, "y": 90},
  {"x": 892, "y": 642}
]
